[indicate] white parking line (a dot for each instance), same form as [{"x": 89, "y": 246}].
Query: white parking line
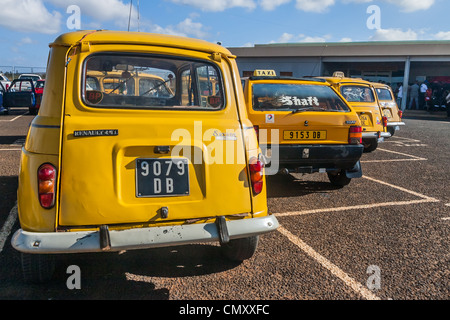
[
  {"x": 335, "y": 270},
  {"x": 14, "y": 119},
  {"x": 7, "y": 227},
  {"x": 10, "y": 149},
  {"x": 403, "y": 154}
]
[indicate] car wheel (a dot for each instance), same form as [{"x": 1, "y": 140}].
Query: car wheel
[
  {"x": 240, "y": 249},
  {"x": 37, "y": 268},
  {"x": 391, "y": 130},
  {"x": 370, "y": 145},
  {"x": 339, "y": 179}
]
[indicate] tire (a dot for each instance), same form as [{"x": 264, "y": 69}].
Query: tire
[
  {"x": 339, "y": 180},
  {"x": 391, "y": 130},
  {"x": 37, "y": 268},
  {"x": 240, "y": 249},
  {"x": 370, "y": 145}
]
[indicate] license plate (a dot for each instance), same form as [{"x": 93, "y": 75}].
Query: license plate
[
  {"x": 305, "y": 135},
  {"x": 162, "y": 177},
  {"x": 365, "y": 120}
]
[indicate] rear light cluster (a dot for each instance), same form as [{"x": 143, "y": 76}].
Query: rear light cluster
[
  {"x": 385, "y": 121},
  {"x": 400, "y": 113},
  {"x": 256, "y": 175},
  {"x": 47, "y": 185},
  {"x": 355, "y": 135}
]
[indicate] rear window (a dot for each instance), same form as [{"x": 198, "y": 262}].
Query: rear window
[
  {"x": 357, "y": 94},
  {"x": 384, "y": 94},
  {"x": 152, "y": 82},
  {"x": 291, "y": 97}
]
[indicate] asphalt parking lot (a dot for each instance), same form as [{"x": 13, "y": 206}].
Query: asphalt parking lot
[{"x": 385, "y": 236}]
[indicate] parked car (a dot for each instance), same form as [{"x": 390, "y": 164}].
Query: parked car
[
  {"x": 317, "y": 130},
  {"x": 34, "y": 77},
  {"x": 20, "y": 94},
  {"x": 2, "y": 92},
  {"x": 361, "y": 97},
  {"x": 117, "y": 171},
  {"x": 388, "y": 105},
  {"x": 39, "y": 89},
  {"x": 4, "y": 81}
]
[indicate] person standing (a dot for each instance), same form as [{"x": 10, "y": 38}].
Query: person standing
[
  {"x": 399, "y": 95},
  {"x": 414, "y": 95},
  {"x": 422, "y": 94}
]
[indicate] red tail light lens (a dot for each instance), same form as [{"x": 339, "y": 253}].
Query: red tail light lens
[
  {"x": 355, "y": 135},
  {"x": 385, "y": 121},
  {"x": 46, "y": 185},
  {"x": 400, "y": 113},
  {"x": 256, "y": 175}
]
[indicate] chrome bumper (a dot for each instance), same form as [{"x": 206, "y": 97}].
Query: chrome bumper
[
  {"x": 137, "y": 238},
  {"x": 394, "y": 124}
]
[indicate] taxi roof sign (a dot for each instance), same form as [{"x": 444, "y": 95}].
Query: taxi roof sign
[
  {"x": 339, "y": 74},
  {"x": 264, "y": 73}
]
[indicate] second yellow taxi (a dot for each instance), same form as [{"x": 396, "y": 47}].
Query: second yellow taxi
[{"x": 304, "y": 126}]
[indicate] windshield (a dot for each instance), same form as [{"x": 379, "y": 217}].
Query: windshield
[
  {"x": 384, "y": 94},
  {"x": 127, "y": 81},
  {"x": 292, "y": 97},
  {"x": 357, "y": 93}
]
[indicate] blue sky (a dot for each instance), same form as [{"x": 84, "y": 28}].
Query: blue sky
[{"x": 28, "y": 26}]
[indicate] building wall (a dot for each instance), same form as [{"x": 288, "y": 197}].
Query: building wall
[{"x": 298, "y": 66}]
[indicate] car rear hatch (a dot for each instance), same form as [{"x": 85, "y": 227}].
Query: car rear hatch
[{"x": 152, "y": 152}]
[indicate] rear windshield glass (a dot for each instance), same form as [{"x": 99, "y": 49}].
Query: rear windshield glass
[
  {"x": 126, "y": 81},
  {"x": 290, "y": 97},
  {"x": 384, "y": 94},
  {"x": 357, "y": 94}
]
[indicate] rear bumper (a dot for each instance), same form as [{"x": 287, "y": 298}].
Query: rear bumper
[
  {"x": 318, "y": 158},
  {"x": 374, "y": 135},
  {"x": 137, "y": 238},
  {"x": 394, "y": 124}
]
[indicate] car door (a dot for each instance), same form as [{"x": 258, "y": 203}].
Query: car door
[{"x": 146, "y": 156}]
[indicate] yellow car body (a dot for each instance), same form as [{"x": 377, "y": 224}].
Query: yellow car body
[
  {"x": 389, "y": 107},
  {"x": 108, "y": 171},
  {"x": 361, "y": 97},
  {"x": 304, "y": 125}
]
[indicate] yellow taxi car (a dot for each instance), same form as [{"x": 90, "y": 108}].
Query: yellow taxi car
[
  {"x": 304, "y": 126},
  {"x": 102, "y": 170},
  {"x": 389, "y": 107},
  {"x": 361, "y": 97}
]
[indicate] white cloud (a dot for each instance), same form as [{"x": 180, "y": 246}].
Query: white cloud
[
  {"x": 291, "y": 38},
  {"x": 394, "y": 35},
  {"x": 272, "y": 4},
  {"x": 29, "y": 16},
  {"x": 186, "y": 28},
  {"x": 442, "y": 35},
  {"x": 405, "y": 5},
  {"x": 314, "y": 6},
  {"x": 412, "y": 5},
  {"x": 217, "y": 5},
  {"x": 100, "y": 10}
]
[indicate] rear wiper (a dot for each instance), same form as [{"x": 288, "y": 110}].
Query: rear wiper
[{"x": 308, "y": 109}]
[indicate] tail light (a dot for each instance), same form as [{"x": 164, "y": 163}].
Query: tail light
[
  {"x": 47, "y": 185},
  {"x": 256, "y": 175},
  {"x": 355, "y": 135},
  {"x": 257, "y": 131},
  {"x": 400, "y": 113},
  {"x": 385, "y": 121}
]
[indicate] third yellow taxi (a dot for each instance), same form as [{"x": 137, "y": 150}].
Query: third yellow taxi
[
  {"x": 389, "y": 107},
  {"x": 304, "y": 126},
  {"x": 360, "y": 95}
]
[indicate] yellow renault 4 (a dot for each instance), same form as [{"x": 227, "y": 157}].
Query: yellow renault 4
[
  {"x": 361, "y": 97},
  {"x": 304, "y": 126},
  {"x": 388, "y": 105},
  {"x": 109, "y": 170}
]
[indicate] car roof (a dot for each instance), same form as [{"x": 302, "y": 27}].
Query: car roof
[
  {"x": 339, "y": 80},
  {"x": 124, "y": 37}
]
